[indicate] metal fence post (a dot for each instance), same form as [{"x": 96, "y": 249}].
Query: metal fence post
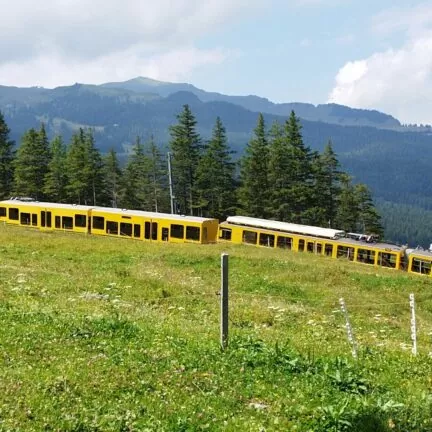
[
  {"x": 224, "y": 301},
  {"x": 413, "y": 324},
  {"x": 349, "y": 329}
]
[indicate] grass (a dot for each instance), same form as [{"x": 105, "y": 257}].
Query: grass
[{"x": 101, "y": 334}]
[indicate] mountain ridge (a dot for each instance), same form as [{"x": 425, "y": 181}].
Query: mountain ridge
[{"x": 328, "y": 113}]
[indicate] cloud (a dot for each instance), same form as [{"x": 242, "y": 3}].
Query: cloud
[
  {"x": 64, "y": 41},
  {"x": 410, "y": 20},
  {"x": 319, "y": 2},
  {"x": 397, "y": 81}
]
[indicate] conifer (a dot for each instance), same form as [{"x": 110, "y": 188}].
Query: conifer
[
  {"x": 137, "y": 188},
  {"x": 185, "y": 146},
  {"x": 112, "y": 179},
  {"x": 31, "y": 164},
  {"x": 254, "y": 191},
  {"x": 158, "y": 178},
  {"x": 55, "y": 178},
  {"x": 215, "y": 176},
  {"x": 7, "y": 155}
]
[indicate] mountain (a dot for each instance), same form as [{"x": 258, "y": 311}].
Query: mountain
[
  {"x": 394, "y": 162},
  {"x": 328, "y": 113}
]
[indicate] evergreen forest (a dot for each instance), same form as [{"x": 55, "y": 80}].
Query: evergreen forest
[{"x": 279, "y": 177}]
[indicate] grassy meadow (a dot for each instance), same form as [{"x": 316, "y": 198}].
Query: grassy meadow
[{"x": 104, "y": 334}]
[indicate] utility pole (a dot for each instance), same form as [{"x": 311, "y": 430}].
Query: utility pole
[{"x": 170, "y": 183}]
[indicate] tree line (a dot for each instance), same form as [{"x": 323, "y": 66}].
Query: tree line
[{"x": 278, "y": 177}]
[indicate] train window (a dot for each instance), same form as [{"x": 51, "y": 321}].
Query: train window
[
  {"x": 48, "y": 219},
  {"x": 151, "y": 229},
  {"x": 2, "y": 211},
  {"x": 43, "y": 218},
  {"x": 137, "y": 231},
  {"x": 366, "y": 256},
  {"x": 112, "y": 227},
  {"x": 165, "y": 234},
  {"x": 57, "y": 222},
  {"x": 98, "y": 222},
  {"x": 126, "y": 217},
  {"x": 301, "y": 245},
  {"x": 387, "y": 259},
  {"x": 80, "y": 220},
  {"x": 249, "y": 237},
  {"x": 34, "y": 219},
  {"x": 225, "y": 234},
  {"x": 421, "y": 266},
  {"x": 345, "y": 252},
  {"x": 13, "y": 213},
  {"x": 310, "y": 246},
  {"x": 67, "y": 222},
  {"x": 25, "y": 218},
  {"x": 328, "y": 249},
  {"x": 284, "y": 242},
  {"x": 126, "y": 229},
  {"x": 319, "y": 248},
  {"x": 154, "y": 234},
  {"x": 267, "y": 240},
  {"x": 177, "y": 231},
  {"x": 193, "y": 233}
]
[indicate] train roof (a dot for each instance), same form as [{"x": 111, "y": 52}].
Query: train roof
[
  {"x": 286, "y": 227},
  {"x": 420, "y": 252},
  {"x": 151, "y": 215},
  {"x": 41, "y": 204},
  {"x": 126, "y": 212},
  {"x": 375, "y": 245}
]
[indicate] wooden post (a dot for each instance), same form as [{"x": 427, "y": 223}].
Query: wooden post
[
  {"x": 224, "y": 301},
  {"x": 413, "y": 325},
  {"x": 349, "y": 330}
]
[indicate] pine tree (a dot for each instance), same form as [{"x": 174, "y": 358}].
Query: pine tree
[
  {"x": 215, "y": 176},
  {"x": 93, "y": 170},
  {"x": 348, "y": 209},
  {"x": 137, "y": 188},
  {"x": 299, "y": 197},
  {"x": 279, "y": 174},
  {"x": 84, "y": 169},
  {"x": 76, "y": 161},
  {"x": 185, "y": 147},
  {"x": 55, "y": 179},
  {"x": 369, "y": 221},
  {"x": 112, "y": 179},
  {"x": 158, "y": 178},
  {"x": 254, "y": 194},
  {"x": 31, "y": 164},
  {"x": 326, "y": 187},
  {"x": 6, "y": 160}
]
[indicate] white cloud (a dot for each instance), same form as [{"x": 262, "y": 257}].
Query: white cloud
[
  {"x": 397, "y": 81},
  {"x": 63, "y": 41},
  {"x": 319, "y": 2}
]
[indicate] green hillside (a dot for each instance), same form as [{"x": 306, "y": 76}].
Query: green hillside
[{"x": 115, "y": 335}]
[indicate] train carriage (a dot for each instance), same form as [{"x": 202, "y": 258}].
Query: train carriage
[
  {"x": 108, "y": 221},
  {"x": 152, "y": 226},
  {"x": 45, "y": 216},
  {"x": 419, "y": 261},
  {"x": 304, "y": 238}
]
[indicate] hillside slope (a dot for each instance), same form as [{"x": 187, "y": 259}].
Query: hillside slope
[{"x": 97, "y": 339}]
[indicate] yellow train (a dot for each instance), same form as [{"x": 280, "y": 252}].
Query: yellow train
[
  {"x": 135, "y": 224},
  {"x": 161, "y": 227}
]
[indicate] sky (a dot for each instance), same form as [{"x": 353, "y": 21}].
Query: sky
[{"x": 365, "y": 54}]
